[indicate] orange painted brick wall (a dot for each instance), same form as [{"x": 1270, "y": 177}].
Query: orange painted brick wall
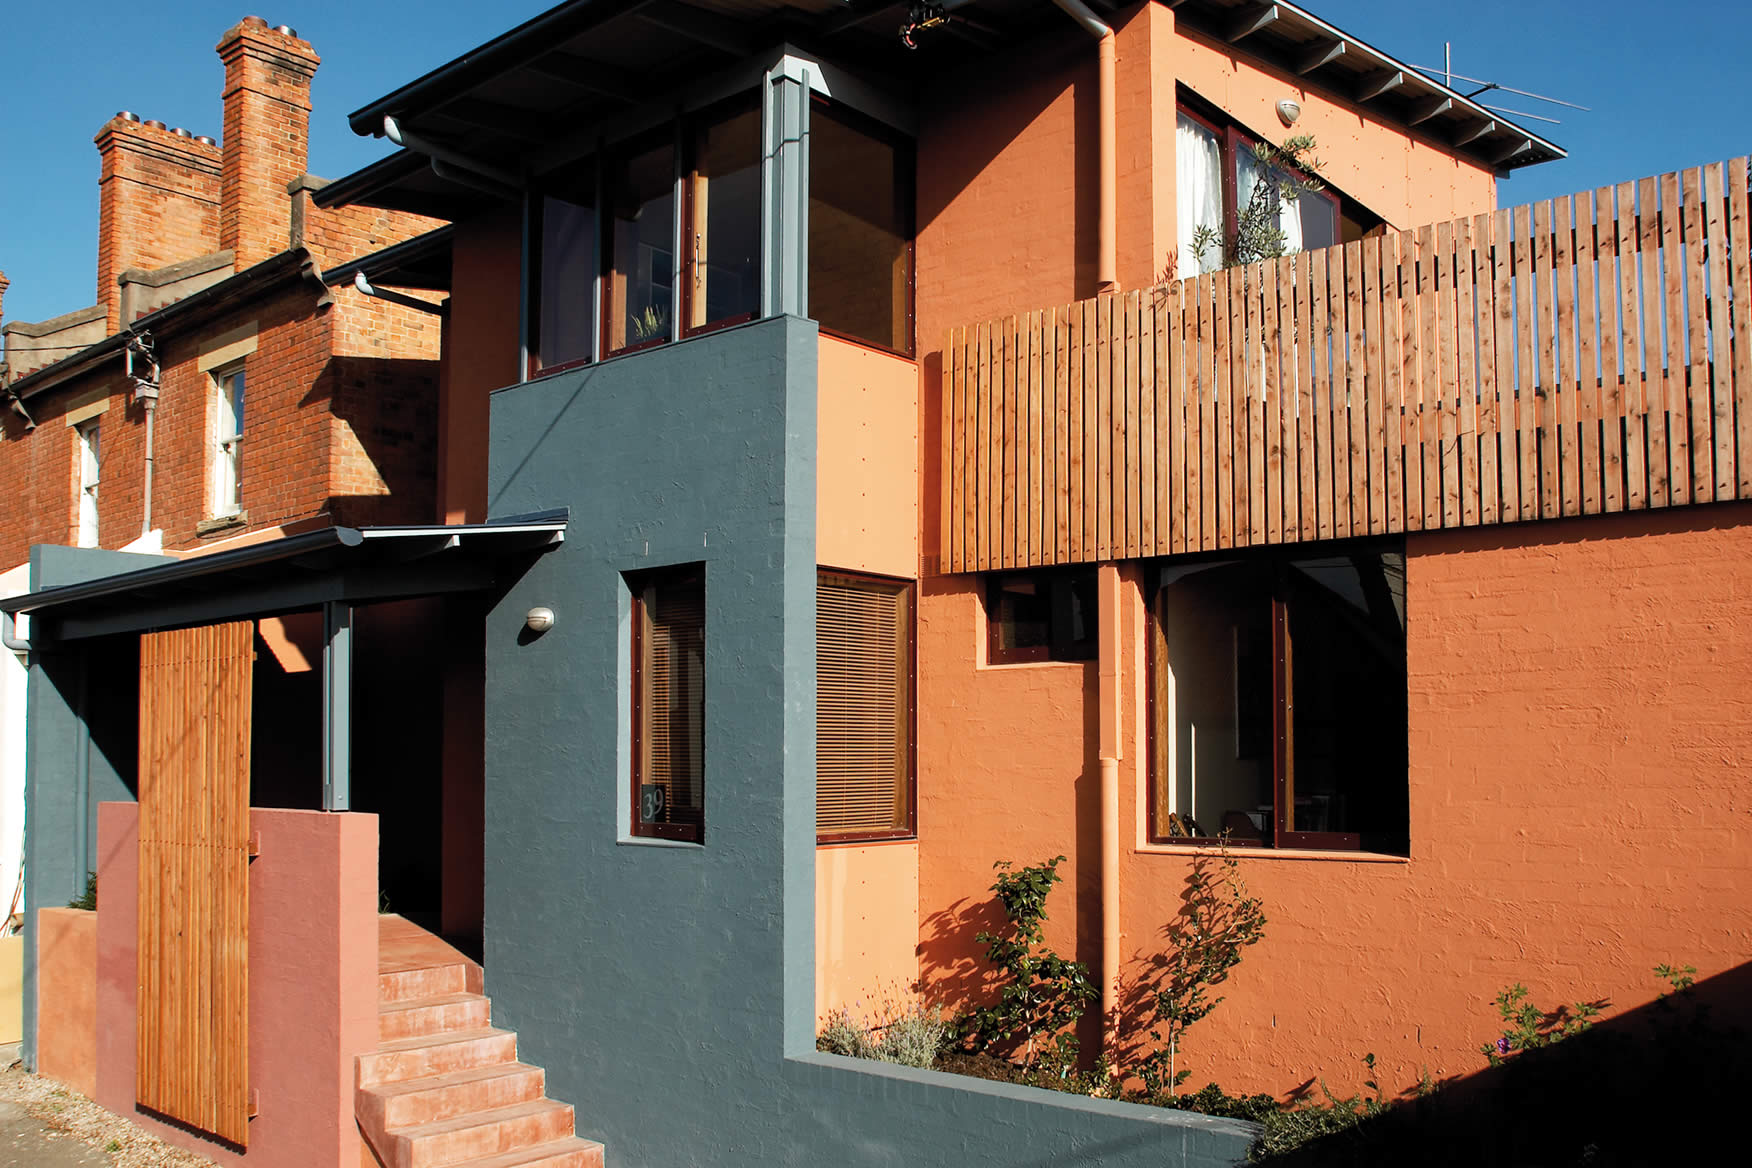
[{"x": 1579, "y": 721}]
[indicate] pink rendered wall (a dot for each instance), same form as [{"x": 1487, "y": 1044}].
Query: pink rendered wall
[
  {"x": 312, "y": 988},
  {"x": 66, "y": 997}
]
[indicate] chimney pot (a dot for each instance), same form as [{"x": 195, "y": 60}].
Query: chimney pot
[
  {"x": 204, "y": 140},
  {"x": 155, "y": 124},
  {"x": 285, "y": 30},
  {"x": 181, "y": 133},
  {"x": 127, "y": 115}
]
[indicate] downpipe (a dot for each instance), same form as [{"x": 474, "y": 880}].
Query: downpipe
[{"x": 1107, "y": 165}]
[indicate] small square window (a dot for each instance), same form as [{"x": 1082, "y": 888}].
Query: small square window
[{"x": 1041, "y": 616}]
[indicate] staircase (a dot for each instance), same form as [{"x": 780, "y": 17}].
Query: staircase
[{"x": 443, "y": 1087}]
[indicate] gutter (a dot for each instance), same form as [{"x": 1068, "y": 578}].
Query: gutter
[
  {"x": 1107, "y": 198},
  {"x": 214, "y": 296},
  {"x": 1108, "y": 590}
]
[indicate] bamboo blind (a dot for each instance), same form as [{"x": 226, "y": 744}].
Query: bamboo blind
[
  {"x": 863, "y": 721},
  {"x": 1579, "y": 356},
  {"x": 672, "y": 696},
  {"x": 192, "y": 1061}
]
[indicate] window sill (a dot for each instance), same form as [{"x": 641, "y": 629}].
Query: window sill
[
  {"x": 220, "y": 523},
  {"x": 1243, "y": 853},
  {"x": 651, "y": 841},
  {"x": 873, "y": 841},
  {"x": 1036, "y": 664}
]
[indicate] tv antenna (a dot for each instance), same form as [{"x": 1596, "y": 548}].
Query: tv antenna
[{"x": 1448, "y": 77}]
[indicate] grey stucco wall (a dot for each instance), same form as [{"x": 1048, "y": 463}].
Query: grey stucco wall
[
  {"x": 668, "y": 990},
  {"x": 61, "y": 798}
]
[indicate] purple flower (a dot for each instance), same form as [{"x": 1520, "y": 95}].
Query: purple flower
[{"x": 1503, "y": 1045}]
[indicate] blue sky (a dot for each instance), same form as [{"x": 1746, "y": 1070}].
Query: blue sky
[{"x": 1661, "y": 81}]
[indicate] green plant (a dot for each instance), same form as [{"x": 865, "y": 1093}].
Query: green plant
[
  {"x": 1218, "y": 919},
  {"x": 651, "y": 323},
  {"x": 1286, "y": 172},
  {"x": 87, "y": 899},
  {"x": 1527, "y": 1027},
  {"x": 113, "y": 1147},
  {"x": 1042, "y": 994},
  {"x": 1679, "y": 978}
]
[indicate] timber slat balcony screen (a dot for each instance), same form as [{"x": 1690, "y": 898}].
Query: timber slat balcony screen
[{"x": 1579, "y": 356}]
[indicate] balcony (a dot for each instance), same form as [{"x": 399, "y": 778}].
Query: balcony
[{"x": 1578, "y": 356}]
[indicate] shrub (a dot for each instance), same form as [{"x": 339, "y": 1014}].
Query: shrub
[
  {"x": 88, "y": 899},
  {"x": 1042, "y": 994},
  {"x": 1218, "y": 919},
  {"x": 903, "y": 1028}
]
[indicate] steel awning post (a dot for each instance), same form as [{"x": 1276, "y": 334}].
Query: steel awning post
[{"x": 337, "y": 705}]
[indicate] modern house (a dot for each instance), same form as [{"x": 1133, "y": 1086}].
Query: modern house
[{"x": 850, "y": 504}]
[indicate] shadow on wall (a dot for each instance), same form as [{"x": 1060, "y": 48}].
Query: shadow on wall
[
  {"x": 1050, "y": 815},
  {"x": 383, "y": 465},
  {"x": 1660, "y": 1084}
]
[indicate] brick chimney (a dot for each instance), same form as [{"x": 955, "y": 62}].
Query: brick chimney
[
  {"x": 158, "y": 201},
  {"x": 267, "y": 135},
  {"x": 4, "y": 284}
]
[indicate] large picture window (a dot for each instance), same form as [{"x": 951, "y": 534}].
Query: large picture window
[
  {"x": 669, "y": 703},
  {"x": 863, "y": 708},
  {"x": 1278, "y": 699},
  {"x": 860, "y": 229}
]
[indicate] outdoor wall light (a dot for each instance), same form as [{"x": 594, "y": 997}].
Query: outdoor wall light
[
  {"x": 539, "y": 620},
  {"x": 1288, "y": 110}
]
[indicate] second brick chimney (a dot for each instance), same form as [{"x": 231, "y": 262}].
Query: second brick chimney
[
  {"x": 157, "y": 201},
  {"x": 267, "y": 135}
]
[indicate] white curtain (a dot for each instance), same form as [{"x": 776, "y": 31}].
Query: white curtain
[
  {"x": 1198, "y": 195},
  {"x": 1248, "y": 172}
]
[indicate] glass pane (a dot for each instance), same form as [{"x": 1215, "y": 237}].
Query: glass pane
[
  {"x": 1215, "y": 703},
  {"x": 1024, "y": 613},
  {"x": 860, "y": 264},
  {"x": 672, "y": 779},
  {"x": 1319, "y": 220},
  {"x": 726, "y": 221},
  {"x": 1348, "y": 720},
  {"x": 642, "y": 261},
  {"x": 1198, "y": 195},
  {"x": 567, "y": 326}
]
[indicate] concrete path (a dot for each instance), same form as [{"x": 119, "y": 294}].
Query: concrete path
[{"x": 26, "y": 1143}]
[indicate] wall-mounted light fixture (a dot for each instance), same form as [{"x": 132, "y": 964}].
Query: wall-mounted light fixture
[
  {"x": 1288, "y": 110},
  {"x": 539, "y": 620}
]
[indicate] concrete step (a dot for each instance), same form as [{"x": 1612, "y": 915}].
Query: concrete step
[
  {"x": 568, "y": 1153},
  {"x": 427, "y": 981},
  {"x": 416, "y": 1101},
  {"x": 481, "y": 1134},
  {"x": 425, "y": 1055},
  {"x": 439, "y": 1015}
]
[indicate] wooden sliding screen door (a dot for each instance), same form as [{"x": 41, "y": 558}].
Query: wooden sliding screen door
[{"x": 193, "y": 944}]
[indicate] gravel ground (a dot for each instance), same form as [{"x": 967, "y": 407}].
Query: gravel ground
[{"x": 62, "y": 1113}]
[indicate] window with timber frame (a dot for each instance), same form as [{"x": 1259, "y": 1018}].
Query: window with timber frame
[
  {"x": 864, "y": 762},
  {"x": 669, "y": 703},
  {"x": 1278, "y": 701},
  {"x": 1048, "y": 614}
]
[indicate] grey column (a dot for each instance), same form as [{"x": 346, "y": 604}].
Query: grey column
[
  {"x": 337, "y": 705},
  {"x": 785, "y": 190}
]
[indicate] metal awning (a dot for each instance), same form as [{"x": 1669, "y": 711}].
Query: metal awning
[{"x": 336, "y": 565}]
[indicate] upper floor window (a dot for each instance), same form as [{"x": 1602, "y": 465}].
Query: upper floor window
[
  {"x": 227, "y": 448},
  {"x": 860, "y": 229},
  {"x": 722, "y": 239},
  {"x": 90, "y": 464},
  {"x": 1278, "y": 701},
  {"x": 565, "y": 279},
  {"x": 1216, "y": 175},
  {"x": 639, "y": 294}
]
